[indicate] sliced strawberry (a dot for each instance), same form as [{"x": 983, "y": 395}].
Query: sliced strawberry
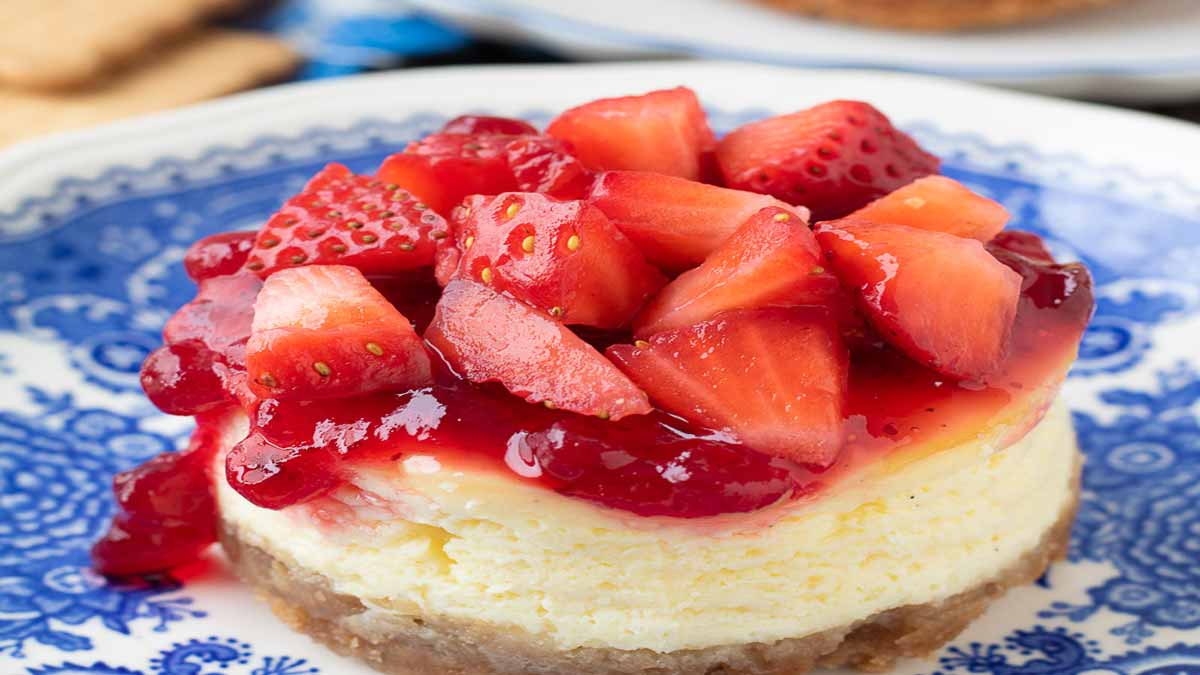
[
  {"x": 322, "y": 331},
  {"x": 675, "y": 223},
  {"x": 441, "y": 169},
  {"x": 943, "y": 300},
  {"x": 833, "y": 158},
  {"x": 344, "y": 219},
  {"x": 775, "y": 378},
  {"x": 941, "y": 204},
  {"x": 219, "y": 316},
  {"x": 489, "y": 337},
  {"x": 564, "y": 258},
  {"x": 545, "y": 164},
  {"x": 485, "y": 124},
  {"x": 663, "y": 131},
  {"x": 218, "y": 255},
  {"x": 772, "y": 260},
  {"x": 1022, "y": 243}
]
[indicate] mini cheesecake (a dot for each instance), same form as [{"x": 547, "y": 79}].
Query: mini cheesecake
[
  {"x": 557, "y": 402},
  {"x": 938, "y": 15}
]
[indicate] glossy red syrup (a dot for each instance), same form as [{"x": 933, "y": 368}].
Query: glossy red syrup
[{"x": 653, "y": 465}]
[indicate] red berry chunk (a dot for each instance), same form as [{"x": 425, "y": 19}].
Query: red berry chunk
[
  {"x": 344, "y": 219},
  {"x": 663, "y": 131},
  {"x": 276, "y": 476},
  {"x": 166, "y": 512},
  {"x": 442, "y": 169},
  {"x": 544, "y": 164},
  {"x": 675, "y": 223},
  {"x": 218, "y": 255},
  {"x": 942, "y": 300},
  {"x": 484, "y": 124},
  {"x": 489, "y": 337},
  {"x": 833, "y": 158},
  {"x": 772, "y": 260},
  {"x": 941, "y": 204},
  {"x": 322, "y": 331},
  {"x": 564, "y": 258},
  {"x": 775, "y": 378},
  {"x": 1022, "y": 243},
  {"x": 219, "y": 316},
  {"x": 182, "y": 379}
]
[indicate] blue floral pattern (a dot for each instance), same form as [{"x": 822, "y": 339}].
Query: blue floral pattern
[
  {"x": 89, "y": 274},
  {"x": 208, "y": 656}
]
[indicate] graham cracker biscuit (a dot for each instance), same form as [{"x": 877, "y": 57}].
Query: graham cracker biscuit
[
  {"x": 209, "y": 64},
  {"x": 936, "y": 15},
  {"x": 68, "y": 43}
]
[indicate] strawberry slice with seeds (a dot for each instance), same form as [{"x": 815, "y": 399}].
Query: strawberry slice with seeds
[
  {"x": 218, "y": 255},
  {"x": 942, "y": 300},
  {"x": 938, "y": 203},
  {"x": 564, "y": 258},
  {"x": 545, "y": 164},
  {"x": 776, "y": 378},
  {"x": 322, "y": 331},
  {"x": 676, "y": 223},
  {"x": 833, "y": 158},
  {"x": 486, "y": 336},
  {"x": 772, "y": 260},
  {"x": 486, "y": 124},
  {"x": 344, "y": 219},
  {"x": 442, "y": 169},
  {"x": 663, "y": 131}
]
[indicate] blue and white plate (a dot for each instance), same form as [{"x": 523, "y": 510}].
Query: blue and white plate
[
  {"x": 93, "y": 226},
  {"x": 1138, "y": 51}
]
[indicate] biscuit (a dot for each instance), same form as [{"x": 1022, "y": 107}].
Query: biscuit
[
  {"x": 936, "y": 15},
  {"x": 68, "y": 43},
  {"x": 208, "y": 64}
]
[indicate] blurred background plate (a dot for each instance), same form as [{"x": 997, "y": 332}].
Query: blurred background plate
[{"x": 1138, "y": 51}]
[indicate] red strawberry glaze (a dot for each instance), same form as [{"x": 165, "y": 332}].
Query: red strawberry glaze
[{"x": 658, "y": 465}]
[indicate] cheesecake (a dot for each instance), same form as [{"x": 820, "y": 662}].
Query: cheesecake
[{"x": 620, "y": 397}]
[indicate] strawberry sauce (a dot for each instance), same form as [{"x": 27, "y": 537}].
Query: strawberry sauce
[{"x": 649, "y": 465}]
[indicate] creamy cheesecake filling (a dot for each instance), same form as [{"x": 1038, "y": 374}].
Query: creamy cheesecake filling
[{"x": 418, "y": 538}]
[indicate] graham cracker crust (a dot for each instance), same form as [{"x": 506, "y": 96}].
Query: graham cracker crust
[
  {"x": 936, "y": 15},
  {"x": 415, "y": 645}
]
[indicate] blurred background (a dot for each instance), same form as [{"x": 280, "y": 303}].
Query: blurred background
[{"x": 72, "y": 63}]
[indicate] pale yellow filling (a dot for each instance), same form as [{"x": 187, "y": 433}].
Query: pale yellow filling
[{"x": 421, "y": 538}]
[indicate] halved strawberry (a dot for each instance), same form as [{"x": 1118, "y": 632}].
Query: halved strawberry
[
  {"x": 676, "y": 223},
  {"x": 441, "y": 169},
  {"x": 545, "y": 164},
  {"x": 1022, "y": 243},
  {"x": 486, "y": 124},
  {"x": 943, "y": 300},
  {"x": 938, "y": 203},
  {"x": 772, "y": 260},
  {"x": 343, "y": 219},
  {"x": 218, "y": 255},
  {"x": 833, "y": 158},
  {"x": 564, "y": 258},
  {"x": 662, "y": 131},
  {"x": 486, "y": 336},
  {"x": 322, "y": 331},
  {"x": 775, "y": 378}
]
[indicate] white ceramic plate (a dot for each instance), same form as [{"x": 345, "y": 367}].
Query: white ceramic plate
[
  {"x": 1145, "y": 50},
  {"x": 93, "y": 225}
]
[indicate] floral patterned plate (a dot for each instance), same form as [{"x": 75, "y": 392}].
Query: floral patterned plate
[{"x": 93, "y": 226}]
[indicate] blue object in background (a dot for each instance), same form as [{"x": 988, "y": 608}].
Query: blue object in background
[{"x": 340, "y": 37}]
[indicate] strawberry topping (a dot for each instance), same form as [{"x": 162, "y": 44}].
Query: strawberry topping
[
  {"x": 833, "y": 158},
  {"x": 322, "y": 331},
  {"x": 663, "y": 131},
  {"x": 941, "y": 204},
  {"x": 343, "y": 219},
  {"x": 564, "y": 258}
]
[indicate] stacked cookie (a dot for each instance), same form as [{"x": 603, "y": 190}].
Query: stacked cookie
[
  {"x": 66, "y": 64},
  {"x": 936, "y": 15}
]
